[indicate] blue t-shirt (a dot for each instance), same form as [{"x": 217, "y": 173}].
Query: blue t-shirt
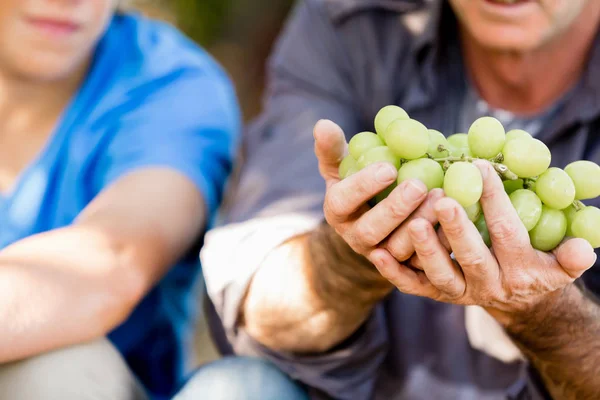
[{"x": 151, "y": 98}]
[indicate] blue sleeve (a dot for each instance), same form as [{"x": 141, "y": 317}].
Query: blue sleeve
[{"x": 188, "y": 121}]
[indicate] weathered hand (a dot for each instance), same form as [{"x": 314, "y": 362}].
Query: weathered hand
[
  {"x": 509, "y": 280},
  {"x": 366, "y": 229}
]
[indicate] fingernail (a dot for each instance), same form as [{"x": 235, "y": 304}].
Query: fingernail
[
  {"x": 385, "y": 174},
  {"x": 412, "y": 191},
  {"x": 447, "y": 214},
  {"x": 419, "y": 232}
]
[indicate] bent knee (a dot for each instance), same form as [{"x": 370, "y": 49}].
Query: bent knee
[
  {"x": 89, "y": 371},
  {"x": 241, "y": 378}
]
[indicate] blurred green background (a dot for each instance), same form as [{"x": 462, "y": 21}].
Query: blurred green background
[{"x": 238, "y": 33}]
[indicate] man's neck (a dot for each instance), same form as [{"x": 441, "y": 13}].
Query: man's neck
[
  {"x": 527, "y": 84},
  {"x": 25, "y": 103}
]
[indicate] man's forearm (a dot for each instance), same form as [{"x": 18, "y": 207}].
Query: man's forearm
[
  {"x": 561, "y": 338},
  {"x": 311, "y": 294}
]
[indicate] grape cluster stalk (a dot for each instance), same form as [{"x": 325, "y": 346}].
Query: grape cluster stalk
[{"x": 548, "y": 200}]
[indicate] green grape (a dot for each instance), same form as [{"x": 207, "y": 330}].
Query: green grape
[
  {"x": 383, "y": 195},
  {"x": 426, "y": 170},
  {"x": 528, "y": 207},
  {"x": 555, "y": 188},
  {"x": 517, "y": 134},
  {"x": 378, "y": 154},
  {"x": 483, "y": 230},
  {"x": 570, "y": 213},
  {"x": 585, "y": 225},
  {"x": 474, "y": 211},
  {"x": 463, "y": 183},
  {"x": 437, "y": 139},
  {"x": 459, "y": 145},
  {"x": 486, "y": 137},
  {"x": 550, "y": 229},
  {"x": 511, "y": 186},
  {"x": 386, "y": 116},
  {"x": 586, "y": 177},
  {"x": 362, "y": 142},
  {"x": 347, "y": 167},
  {"x": 526, "y": 157},
  {"x": 407, "y": 138}
]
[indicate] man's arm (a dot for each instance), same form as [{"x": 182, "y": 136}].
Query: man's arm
[
  {"x": 78, "y": 283},
  {"x": 319, "y": 299},
  {"x": 561, "y": 338},
  {"x": 257, "y": 264}
]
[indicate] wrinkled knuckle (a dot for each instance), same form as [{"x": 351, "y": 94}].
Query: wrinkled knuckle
[
  {"x": 502, "y": 230},
  {"x": 367, "y": 234},
  {"x": 475, "y": 260},
  {"x": 489, "y": 297},
  {"x": 400, "y": 248},
  {"x": 488, "y": 195},
  {"x": 398, "y": 209},
  {"x": 334, "y": 207},
  {"x": 520, "y": 279},
  {"x": 365, "y": 187},
  {"x": 405, "y": 288},
  {"x": 454, "y": 230},
  {"x": 449, "y": 285},
  {"x": 426, "y": 251},
  {"x": 445, "y": 281}
]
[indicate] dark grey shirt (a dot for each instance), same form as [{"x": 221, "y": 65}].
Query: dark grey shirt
[{"x": 343, "y": 60}]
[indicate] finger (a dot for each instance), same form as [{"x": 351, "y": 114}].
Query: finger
[
  {"x": 399, "y": 243},
  {"x": 405, "y": 279},
  {"x": 441, "y": 271},
  {"x": 330, "y": 149},
  {"x": 508, "y": 234},
  {"x": 415, "y": 262},
  {"x": 443, "y": 239},
  {"x": 348, "y": 195},
  {"x": 376, "y": 224},
  {"x": 475, "y": 259},
  {"x": 575, "y": 256}
]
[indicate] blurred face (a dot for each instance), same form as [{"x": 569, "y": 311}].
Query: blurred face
[
  {"x": 49, "y": 39},
  {"x": 516, "y": 25}
]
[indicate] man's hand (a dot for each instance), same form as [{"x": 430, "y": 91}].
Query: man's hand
[
  {"x": 510, "y": 279},
  {"x": 369, "y": 231},
  {"x": 529, "y": 292},
  {"x": 327, "y": 284}
]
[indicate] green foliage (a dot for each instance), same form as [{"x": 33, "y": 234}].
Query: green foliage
[{"x": 202, "y": 20}]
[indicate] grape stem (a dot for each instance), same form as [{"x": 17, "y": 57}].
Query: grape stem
[
  {"x": 529, "y": 183},
  {"x": 501, "y": 169},
  {"x": 578, "y": 205}
]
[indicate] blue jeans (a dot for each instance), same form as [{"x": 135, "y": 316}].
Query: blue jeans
[{"x": 241, "y": 378}]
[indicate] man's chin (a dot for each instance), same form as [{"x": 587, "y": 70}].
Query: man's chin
[{"x": 509, "y": 40}]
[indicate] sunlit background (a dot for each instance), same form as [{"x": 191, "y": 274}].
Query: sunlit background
[{"x": 238, "y": 33}]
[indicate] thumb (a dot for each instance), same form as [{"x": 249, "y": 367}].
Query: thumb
[
  {"x": 330, "y": 148},
  {"x": 575, "y": 257}
]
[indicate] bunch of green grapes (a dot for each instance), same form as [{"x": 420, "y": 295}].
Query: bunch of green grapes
[{"x": 548, "y": 200}]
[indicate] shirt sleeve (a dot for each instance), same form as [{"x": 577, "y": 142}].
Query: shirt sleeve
[
  {"x": 188, "y": 121},
  {"x": 279, "y": 194}
]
